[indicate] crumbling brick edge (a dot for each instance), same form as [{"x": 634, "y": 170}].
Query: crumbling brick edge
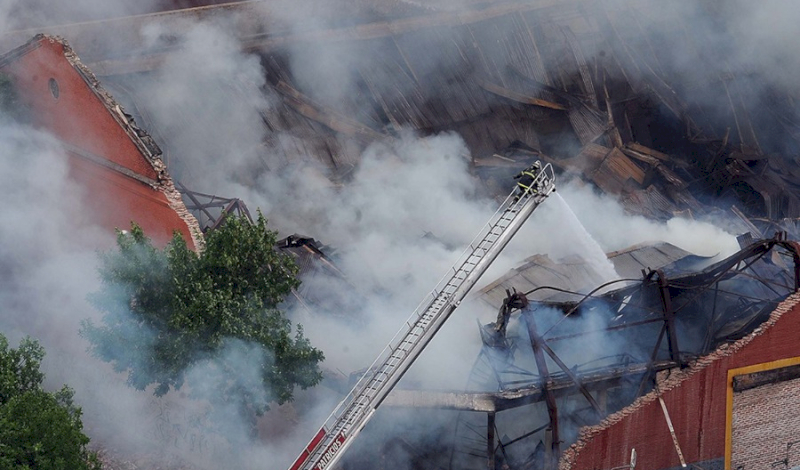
[
  {"x": 167, "y": 187},
  {"x": 143, "y": 141},
  {"x": 587, "y": 433}
]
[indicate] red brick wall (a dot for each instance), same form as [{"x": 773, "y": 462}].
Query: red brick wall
[
  {"x": 79, "y": 117},
  {"x": 697, "y": 402},
  {"x": 116, "y": 201}
]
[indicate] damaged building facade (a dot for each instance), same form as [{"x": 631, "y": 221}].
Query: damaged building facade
[
  {"x": 577, "y": 367},
  {"x": 117, "y": 164},
  {"x": 733, "y": 408},
  {"x": 710, "y": 362}
]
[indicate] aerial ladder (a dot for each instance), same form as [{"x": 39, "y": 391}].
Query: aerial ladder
[{"x": 352, "y": 414}]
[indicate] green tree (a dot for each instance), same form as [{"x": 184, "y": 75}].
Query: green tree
[
  {"x": 38, "y": 430},
  {"x": 170, "y": 311}
]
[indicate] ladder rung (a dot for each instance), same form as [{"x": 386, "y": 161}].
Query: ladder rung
[{"x": 350, "y": 415}]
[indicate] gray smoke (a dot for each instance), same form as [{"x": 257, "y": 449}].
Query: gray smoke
[
  {"x": 208, "y": 99},
  {"x": 48, "y": 263}
]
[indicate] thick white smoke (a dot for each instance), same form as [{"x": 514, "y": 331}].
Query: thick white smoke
[
  {"x": 208, "y": 97},
  {"x": 48, "y": 262},
  {"x": 400, "y": 191}
]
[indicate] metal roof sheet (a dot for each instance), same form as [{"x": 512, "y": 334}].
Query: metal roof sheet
[{"x": 577, "y": 275}]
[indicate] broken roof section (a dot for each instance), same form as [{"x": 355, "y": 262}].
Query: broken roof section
[
  {"x": 598, "y": 351},
  {"x": 706, "y": 415},
  {"x": 325, "y": 288},
  {"x": 116, "y": 161},
  {"x": 575, "y": 275},
  {"x": 715, "y": 304},
  {"x": 574, "y": 358},
  {"x": 578, "y": 84}
]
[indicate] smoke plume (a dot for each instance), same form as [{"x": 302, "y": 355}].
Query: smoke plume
[{"x": 209, "y": 97}]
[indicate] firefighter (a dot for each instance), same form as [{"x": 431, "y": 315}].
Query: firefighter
[{"x": 526, "y": 179}]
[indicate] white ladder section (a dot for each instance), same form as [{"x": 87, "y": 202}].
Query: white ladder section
[{"x": 347, "y": 420}]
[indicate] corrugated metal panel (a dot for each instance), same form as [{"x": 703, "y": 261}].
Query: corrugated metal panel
[
  {"x": 615, "y": 171},
  {"x": 650, "y": 203},
  {"x": 574, "y": 275},
  {"x": 593, "y": 154},
  {"x": 629, "y": 263},
  {"x": 627, "y": 266},
  {"x": 583, "y": 67},
  {"x": 534, "y": 68},
  {"x": 587, "y": 123},
  {"x": 651, "y": 258},
  {"x": 434, "y": 87},
  {"x": 672, "y": 252},
  {"x": 624, "y": 166}
]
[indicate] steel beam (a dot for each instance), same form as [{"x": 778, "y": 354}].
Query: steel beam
[
  {"x": 559, "y": 386},
  {"x": 554, "y": 452},
  {"x": 653, "y": 356},
  {"x": 542, "y": 344},
  {"x": 490, "y": 440},
  {"x": 669, "y": 317}
]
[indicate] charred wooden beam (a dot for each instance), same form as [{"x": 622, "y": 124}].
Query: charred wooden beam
[
  {"x": 641, "y": 149},
  {"x": 757, "y": 379},
  {"x": 518, "y": 97},
  {"x": 559, "y": 386}
]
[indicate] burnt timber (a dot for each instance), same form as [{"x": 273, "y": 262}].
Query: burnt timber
[
  {"x": 517, "y": 79},
  {"x": 528, "y": 79}
]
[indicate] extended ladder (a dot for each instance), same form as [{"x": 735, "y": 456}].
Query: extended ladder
[{"x": 347, "y": 420}]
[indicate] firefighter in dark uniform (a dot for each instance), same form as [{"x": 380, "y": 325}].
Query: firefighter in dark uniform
[{"x": 526, "y": 179}]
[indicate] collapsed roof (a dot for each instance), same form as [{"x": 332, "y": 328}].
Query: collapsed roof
[
  {"x": 579, "y": 84},
  {"x": 597, "y": 352}
]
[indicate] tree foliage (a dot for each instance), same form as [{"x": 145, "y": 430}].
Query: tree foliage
[
  {"x": 167, "y": 312},
  {"x": 38, "y": 430}
]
